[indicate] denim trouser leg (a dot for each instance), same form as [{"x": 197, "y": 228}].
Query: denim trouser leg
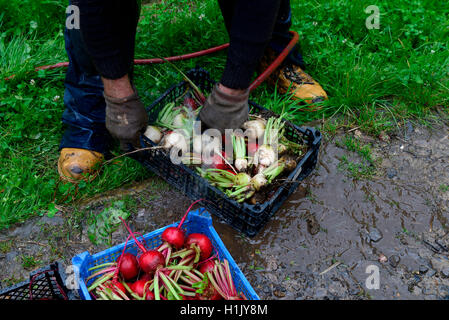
[
  {"x": 281, "y": 36},
  {"x": 83, "y": 98}
]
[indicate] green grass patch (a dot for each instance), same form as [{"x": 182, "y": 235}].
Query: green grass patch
[
  {"x": 30, "y": 262},
  {"x": 366, "y": 167}
]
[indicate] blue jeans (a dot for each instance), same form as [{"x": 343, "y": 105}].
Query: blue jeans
[{"x": 84, "y": 115}]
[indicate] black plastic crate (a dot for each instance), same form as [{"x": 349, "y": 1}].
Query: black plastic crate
[
  {"x": 44, "y": 284},
  {"x": 246, "y": 218}
]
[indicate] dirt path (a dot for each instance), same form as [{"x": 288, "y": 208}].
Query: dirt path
[{"x": 322, "y": 240}]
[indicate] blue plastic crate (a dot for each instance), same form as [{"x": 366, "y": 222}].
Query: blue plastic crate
[{"x": 198, "y": 221}]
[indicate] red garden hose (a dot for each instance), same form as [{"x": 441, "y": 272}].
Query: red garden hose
[{"x": 253, "y": 85}]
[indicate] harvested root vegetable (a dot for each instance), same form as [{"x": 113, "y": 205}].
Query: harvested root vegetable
[
  {"x": 175, "y": 236},
  {"x": 150, "y": 260},
  {"x": 258, "y": 181},
  {"x": 175, "y": 140},
  {"x": 255, "y": 129},
  {"x": 153, "y": 133},
  {"x": 221, "y": 279},
  {"x": 238, "y": 143},
  {"x": 266, "y": 154},
  {"x": 203, "y": 243},
  {"x": 180, "y": 120},
  {"x": 183, "y": 274},
  {"x": 142, "y": 289},
  {"x": 129, "y": 266}
]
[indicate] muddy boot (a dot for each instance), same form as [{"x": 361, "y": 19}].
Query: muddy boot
[
  {"x": 291, "y": 79},
  {"x": 76, "y": 164}
]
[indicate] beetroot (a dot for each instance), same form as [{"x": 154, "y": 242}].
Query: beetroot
[
  {"x": 207, "y": 266},
  {"x": 150, "y": 260},
  {"x": 115, "y": 286},
  {"x": 174, "y": 236},
  {"x": 129, "y": 267},
  {"x": 141, "y": 287},
  {"x": 210, "y": 294},
  {"x": 203, "y": 243},
  {"x": 146, "y": 277}
]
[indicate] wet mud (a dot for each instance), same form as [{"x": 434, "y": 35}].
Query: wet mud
[{"x": 336, "y": 237}]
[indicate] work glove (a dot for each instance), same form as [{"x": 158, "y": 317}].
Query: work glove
[
  {"x": 224, "y": 111},
  {"x": 126, "y": 119}
]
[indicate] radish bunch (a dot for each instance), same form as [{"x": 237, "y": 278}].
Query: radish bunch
[{"x": 181, "y": 268}]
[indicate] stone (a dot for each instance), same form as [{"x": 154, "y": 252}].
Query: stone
[
  {"x": 431, "y": 273},
  {"x": 279, "y": 293},
  {"x": 445, "y": 272},
  {"x": 391, "y": 173},
  {"x": 375, "y": 235},
  {"x": 394, "y": 260},
  {"x": 320, "y": 293},
  {"x": 423, "y": 269}
]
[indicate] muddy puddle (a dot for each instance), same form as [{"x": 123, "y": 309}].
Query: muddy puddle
[{"x": 336, "y": 237}]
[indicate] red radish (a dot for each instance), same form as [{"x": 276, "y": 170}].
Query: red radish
[
  {"x": 210, "y": 293},
  {"x": 207, "y": 266},
  {"x": 203, "y": 243},
  {"x": 129, "y": 266},
  {"x": 141, "y": 287},
  {"x": 150, "y": 260},
  {"x": 175, "y": 235},
  {"x": 117, "y": 285},
  {"x": 146, "y": 276}
]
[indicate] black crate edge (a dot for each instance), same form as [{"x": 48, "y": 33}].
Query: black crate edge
[{"x": 51, "y": 280}]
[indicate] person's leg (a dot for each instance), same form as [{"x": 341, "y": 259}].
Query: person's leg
[
  {"x": 86, "y": 139},
  {"x": 281, "y": 36},
  {"x": 290, "y": 77},
  {"x": 250, "y": 25},
  {"x": 83, "y": 98},
  {"x": 227, "y": 11}
]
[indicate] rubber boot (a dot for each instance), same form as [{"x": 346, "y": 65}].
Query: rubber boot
[{"x": 78, "y": 164}]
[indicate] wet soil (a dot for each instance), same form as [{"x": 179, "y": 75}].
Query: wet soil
[{"x": 327, "y": 241}]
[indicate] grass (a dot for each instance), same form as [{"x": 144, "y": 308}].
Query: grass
[
  {"x": 5, "y": 246},
  {"x": 357, "y": 170},
  {"x": 29, "y": 262},
  {"x": 376, "y": 79}
]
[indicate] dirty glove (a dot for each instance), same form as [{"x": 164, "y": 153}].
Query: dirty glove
[
  {"x": 224, "y": 111},
  {"x": 126, "y": 119}
]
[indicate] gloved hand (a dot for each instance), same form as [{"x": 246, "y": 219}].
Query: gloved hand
[
  {"x": 225, "y": 111},
  {"x": 126, "y": 119}
]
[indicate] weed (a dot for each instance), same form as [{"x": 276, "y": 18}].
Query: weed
[
  {"x": 102, "y": 225},
  {"x": 5, "y": 246},
  {"x": 30, "y": 262},
  {"x": 366, "y": 168}
]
